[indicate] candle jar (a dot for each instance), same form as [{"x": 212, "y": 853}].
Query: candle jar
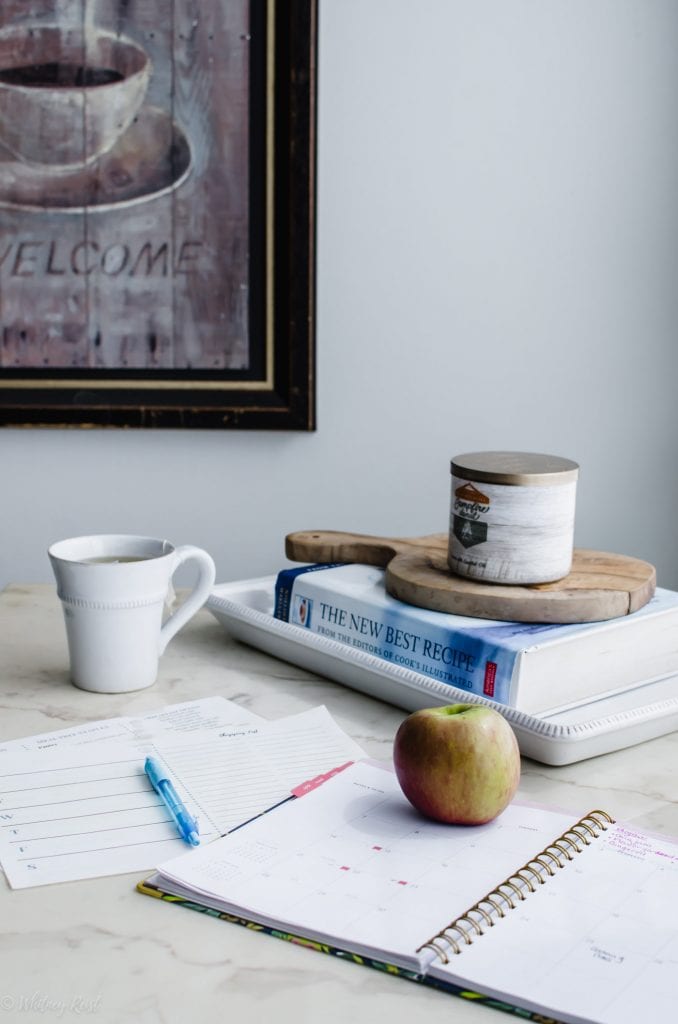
[{"x": 512, "y": 516}]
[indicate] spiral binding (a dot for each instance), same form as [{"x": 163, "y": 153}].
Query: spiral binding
[{"x": 506, "y": 896}]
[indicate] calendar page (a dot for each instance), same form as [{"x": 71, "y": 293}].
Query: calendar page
[
  {"x": 353, "y": 864},
  {"x": 598, "y": 940}
]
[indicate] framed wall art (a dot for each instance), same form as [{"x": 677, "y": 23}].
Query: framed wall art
[{"x": 157, "y": 195}]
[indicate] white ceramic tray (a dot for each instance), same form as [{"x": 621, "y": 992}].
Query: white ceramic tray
[{"x": 245, "y": 609}]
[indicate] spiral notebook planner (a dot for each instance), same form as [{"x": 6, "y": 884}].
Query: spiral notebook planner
[{"x": 541, "y": 913}]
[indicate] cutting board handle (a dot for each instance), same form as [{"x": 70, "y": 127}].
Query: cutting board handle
[{"x": 337, "y": 546}]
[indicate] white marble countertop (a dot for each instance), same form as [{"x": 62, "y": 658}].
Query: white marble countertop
[{"x": 97, "y": 950}]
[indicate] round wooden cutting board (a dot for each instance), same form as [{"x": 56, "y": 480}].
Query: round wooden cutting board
[{"x": 600, "y": 585}]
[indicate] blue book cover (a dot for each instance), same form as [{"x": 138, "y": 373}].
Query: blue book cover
[{"x": 533, "y": 666}]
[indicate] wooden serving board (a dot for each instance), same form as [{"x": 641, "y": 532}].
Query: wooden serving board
[{"x": 600, "y": 585}]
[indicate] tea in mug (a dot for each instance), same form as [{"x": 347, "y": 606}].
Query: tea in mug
[{"x": 116, "y": 559}]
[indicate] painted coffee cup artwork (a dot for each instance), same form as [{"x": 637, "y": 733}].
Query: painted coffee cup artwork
[
  {"x": 156, "y": 186},
  {"x": 124, "y": 194},
  {"x": 76, "y": 123},
  {"x": 67, "y": 96}
]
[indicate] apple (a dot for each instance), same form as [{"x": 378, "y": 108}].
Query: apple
[{"x": 458, "y": 764}]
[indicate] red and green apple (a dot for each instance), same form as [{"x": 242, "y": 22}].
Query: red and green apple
[{"x": 458, "y": 764}]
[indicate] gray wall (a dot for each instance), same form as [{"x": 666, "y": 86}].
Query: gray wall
[{"x": 497, "y": 267}]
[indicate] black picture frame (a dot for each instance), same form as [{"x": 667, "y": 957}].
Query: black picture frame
[{"x": 276, "y": 391}]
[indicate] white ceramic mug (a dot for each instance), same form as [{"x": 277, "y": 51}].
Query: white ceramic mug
[{"x": 113, "y": 589}]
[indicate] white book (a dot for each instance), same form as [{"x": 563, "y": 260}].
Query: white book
[{"x": 531, "y": 667}]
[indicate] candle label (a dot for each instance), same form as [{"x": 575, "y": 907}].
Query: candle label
[{"x": 470, "y": 506}]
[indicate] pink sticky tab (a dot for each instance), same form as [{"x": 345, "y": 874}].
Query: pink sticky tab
[{"x": 310, "y": 784}]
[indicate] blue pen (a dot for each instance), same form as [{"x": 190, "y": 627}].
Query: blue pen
[{"x": 187, "y": 825}]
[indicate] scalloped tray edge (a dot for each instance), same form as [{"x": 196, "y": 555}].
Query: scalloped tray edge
[{"x": 603, "y": 726}]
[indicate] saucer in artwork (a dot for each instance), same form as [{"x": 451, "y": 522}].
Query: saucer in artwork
[{"x": 152, "y": 157}]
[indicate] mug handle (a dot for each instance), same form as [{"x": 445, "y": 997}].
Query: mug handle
[{"x": 197, "y": 597}]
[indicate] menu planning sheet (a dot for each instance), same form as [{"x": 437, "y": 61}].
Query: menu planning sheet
[
  {"x": 185, "y": 717},
  {"x": 83, "y": 810}
]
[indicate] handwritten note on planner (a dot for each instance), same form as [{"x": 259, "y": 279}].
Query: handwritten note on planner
[{"x": 89, "y": 810}]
